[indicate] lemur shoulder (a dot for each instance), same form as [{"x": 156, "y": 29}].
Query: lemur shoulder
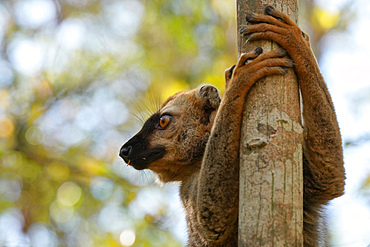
[{"x": 194, "y": 137}]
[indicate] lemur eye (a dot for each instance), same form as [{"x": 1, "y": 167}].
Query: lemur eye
[{"x": 164, "y": 121}]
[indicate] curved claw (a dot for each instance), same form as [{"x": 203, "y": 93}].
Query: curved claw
[{"x": 230, "y": 71}]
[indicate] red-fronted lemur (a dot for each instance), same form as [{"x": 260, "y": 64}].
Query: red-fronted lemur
[{"x": 194, "y": 137}]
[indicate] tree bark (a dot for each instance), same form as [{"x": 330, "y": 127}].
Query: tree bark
[{"x": 271, "y": 175}]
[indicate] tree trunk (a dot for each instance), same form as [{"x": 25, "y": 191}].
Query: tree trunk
[{"x": 271, "y": 176}]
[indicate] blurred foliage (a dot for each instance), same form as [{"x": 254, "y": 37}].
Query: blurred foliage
[
  {"x": 319, "y": 22},
  {"x": 73, "y": 76}
]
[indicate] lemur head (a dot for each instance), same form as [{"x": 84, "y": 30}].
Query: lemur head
[{"x": 172, "y": 141}]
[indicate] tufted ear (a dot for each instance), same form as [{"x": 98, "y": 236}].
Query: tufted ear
[{"x": 211, "y": 101}]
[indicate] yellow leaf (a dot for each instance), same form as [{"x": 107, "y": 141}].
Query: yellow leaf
[
  {"x": 6, "y": 127},
  {"x": 4, "y": 98},
  {"x": 170, "y": 88},
  {"x": 58, "y": 171},
  {"x": 326, "y": 19},
  {"x": 92, "y": 166}
]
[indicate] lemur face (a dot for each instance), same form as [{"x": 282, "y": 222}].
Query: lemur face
[{"x": 172, "y": 141}]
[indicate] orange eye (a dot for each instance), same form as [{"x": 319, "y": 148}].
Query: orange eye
[{"x": 164, "y": 121}]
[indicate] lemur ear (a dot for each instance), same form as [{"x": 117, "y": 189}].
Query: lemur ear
[
  {"x": 211, "y": 100},
  {"x": 210, "y": 96}
]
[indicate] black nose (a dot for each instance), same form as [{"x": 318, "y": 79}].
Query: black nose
[{"x": 125, "y": 151}]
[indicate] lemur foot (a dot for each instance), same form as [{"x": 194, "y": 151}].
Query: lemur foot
[
  {"x": 275, "y": 26},
  {"x": 256, "y": 65}
]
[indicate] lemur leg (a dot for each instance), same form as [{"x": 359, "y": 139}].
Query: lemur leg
[
  {"x": 323, "y": 156},
  {"x": 218, "y": 209}
]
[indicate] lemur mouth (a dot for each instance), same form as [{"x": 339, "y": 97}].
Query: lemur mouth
[
  {"x": 143, "y": 159},
  {"x": 138, "y": 164}
]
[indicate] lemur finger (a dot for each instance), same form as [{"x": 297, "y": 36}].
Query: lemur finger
[
  {"x": 277, "y": 53},
  {"x": 272, "y": 62},
  {"x": 247, "y": 57},
  {"x": 268, "y": 35},
  {"x": 269, "y": 10},
  {"x": 267, "y": 71},
  {"x": 247, "y": 31},
  {"x": 254, "y": 18}
]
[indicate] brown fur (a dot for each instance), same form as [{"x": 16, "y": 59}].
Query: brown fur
[{"x": 200, "y": 146}]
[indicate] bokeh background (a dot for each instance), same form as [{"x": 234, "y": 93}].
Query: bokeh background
[{"x": 77, "y": 79}]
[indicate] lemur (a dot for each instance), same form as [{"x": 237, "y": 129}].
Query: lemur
[{"x": 194, "y": 138}]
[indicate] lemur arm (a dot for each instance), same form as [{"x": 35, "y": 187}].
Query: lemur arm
[
  {"x": 323, "y": 155},
  {"x": 217, "y": 193}
]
